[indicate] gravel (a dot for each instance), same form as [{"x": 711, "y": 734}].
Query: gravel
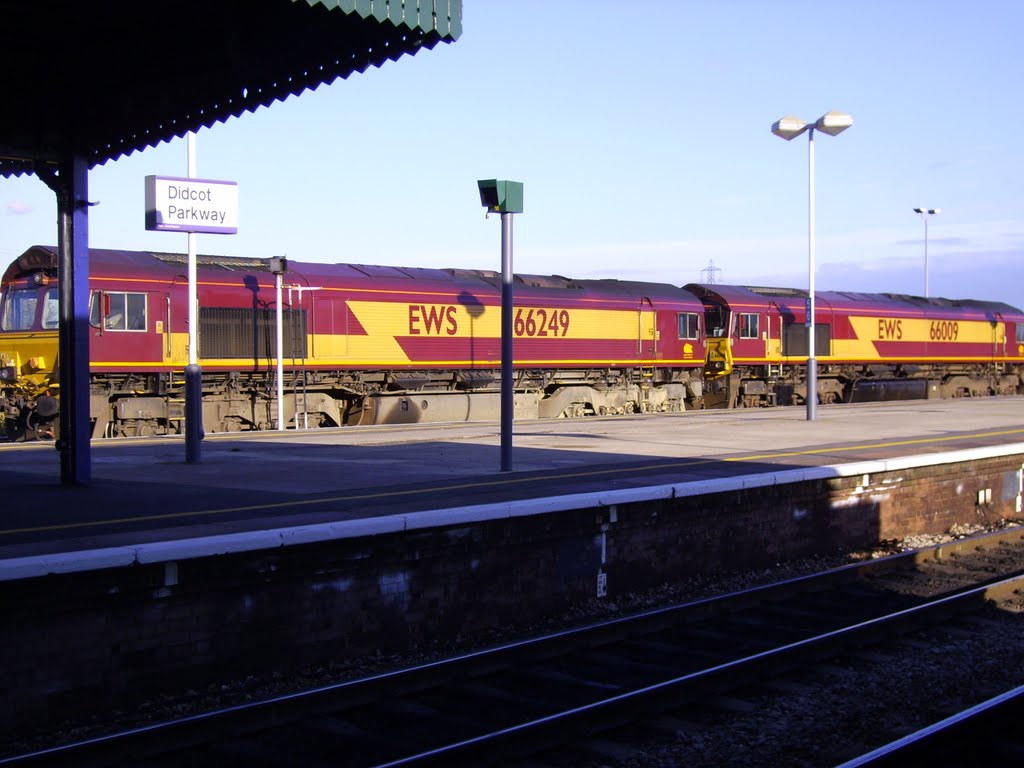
[{"x": 827, "y": 720}]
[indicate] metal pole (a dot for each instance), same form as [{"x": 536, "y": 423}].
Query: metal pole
[
  {"x": 193, "y": 331},
  {"x": 193, "y": 411},
  {"x": 925, "y": 217},
  {"x": 812, "y": 362},
  {"x": 280, "y": 353},
  {"x": 193, "y": 376},
  {"x": 507, "y": 391}
]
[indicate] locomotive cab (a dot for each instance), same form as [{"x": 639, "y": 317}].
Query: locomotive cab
[
  {"x": 28, "y": 342},
  {"x": 718, "y": 361}
]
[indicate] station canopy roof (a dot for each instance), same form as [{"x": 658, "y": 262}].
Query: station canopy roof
[{"x": 105, "y": 79}]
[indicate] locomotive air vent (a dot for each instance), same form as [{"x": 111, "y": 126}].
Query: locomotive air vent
[
  {"x": 547, "y": 281},
  {"x": 232, "y": 263},
  {"x": 776, "y": 291}
]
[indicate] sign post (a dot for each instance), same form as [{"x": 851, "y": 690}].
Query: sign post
[
  {"x": 175, "y": 204},
  {"x": 204, "y": 206}
]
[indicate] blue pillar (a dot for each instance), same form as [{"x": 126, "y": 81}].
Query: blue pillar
[
  {"x": 193, "y": 413},
  {"x": 72, "y": 188}
]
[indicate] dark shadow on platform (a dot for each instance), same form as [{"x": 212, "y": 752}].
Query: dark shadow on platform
[{"x": 146, "y": 492}]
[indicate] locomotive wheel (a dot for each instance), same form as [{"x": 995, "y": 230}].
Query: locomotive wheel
[{"x": 40, "y": 429}]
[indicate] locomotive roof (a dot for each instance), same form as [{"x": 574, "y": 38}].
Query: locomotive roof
[
  {"x": 745, "y": 296},
  {"x": 104, "y": 260},
  {"x": 141, "y": 263}
]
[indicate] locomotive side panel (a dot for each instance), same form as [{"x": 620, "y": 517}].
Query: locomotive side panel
[{"x": 128, "y": 329}]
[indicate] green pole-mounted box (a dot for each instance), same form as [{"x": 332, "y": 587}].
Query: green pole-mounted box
[{"x": 501, "y": 196}]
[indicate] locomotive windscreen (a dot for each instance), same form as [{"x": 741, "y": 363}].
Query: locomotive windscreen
[{"x": 716, "y": 320}]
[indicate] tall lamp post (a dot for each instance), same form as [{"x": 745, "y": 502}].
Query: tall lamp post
[
  {"x": 925, "y": 213},
  {"x": 788, "y": 128}
]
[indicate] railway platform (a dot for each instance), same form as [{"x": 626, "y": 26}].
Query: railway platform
[
  {"x": 143, "y": 491},
  {"x": 295, "y": 549}
]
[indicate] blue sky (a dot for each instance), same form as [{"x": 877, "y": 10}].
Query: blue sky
[{"x": 641, "y": 131}]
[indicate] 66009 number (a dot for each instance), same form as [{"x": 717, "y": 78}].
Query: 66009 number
[
  {"x": 540, "y": 322},
  {"x": 943, "y": 330}
]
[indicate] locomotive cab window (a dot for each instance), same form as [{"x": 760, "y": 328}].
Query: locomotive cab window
[
  {"x": 117, "y": 311},
  {"x": 51, "y": 316},
  {"x": 716, "y": 321},
  {"x": 688, "y": 328},
  {"x": 20, "y": 309},
  {"x": 1020, "y": 333},
  {"x": 749, "y": 326}
]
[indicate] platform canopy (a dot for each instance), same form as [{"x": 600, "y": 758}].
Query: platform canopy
[
  {"x": 87, "y": 81},
  {"x": 104, "y": 79}
]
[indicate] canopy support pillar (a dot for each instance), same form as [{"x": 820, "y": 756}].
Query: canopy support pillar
[{"x": 70, "y": 183}]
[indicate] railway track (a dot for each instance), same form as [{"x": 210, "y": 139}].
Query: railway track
[{"x": 550, "y": 695}]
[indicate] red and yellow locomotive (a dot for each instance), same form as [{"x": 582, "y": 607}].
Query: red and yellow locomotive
[
  {"x": 361, "y": 344},
  {"x": 371, "y": 344},
  {"x": 869, "y": 346}
]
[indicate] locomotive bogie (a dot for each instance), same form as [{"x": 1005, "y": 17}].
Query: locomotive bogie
[
  {"x": 577, "y": 401},
  {"x": 1009, "y": 384}
]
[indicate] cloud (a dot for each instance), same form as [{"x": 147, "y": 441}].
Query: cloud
[{"x": 19, "y": 208}]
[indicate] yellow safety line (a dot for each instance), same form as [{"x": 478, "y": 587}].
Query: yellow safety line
[
  {"x": 496, "y": 483},
  {"x": 892, "y": 444}
]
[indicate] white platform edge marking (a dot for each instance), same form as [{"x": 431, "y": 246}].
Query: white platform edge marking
[{"x": 206, "y": 546}]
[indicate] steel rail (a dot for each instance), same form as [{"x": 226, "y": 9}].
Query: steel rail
[
  {"x": 949, "y": 735},
  {"x": 544, "y": 733}
]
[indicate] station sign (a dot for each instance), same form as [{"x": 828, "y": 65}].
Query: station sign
[{"x": 191, "y": 205}]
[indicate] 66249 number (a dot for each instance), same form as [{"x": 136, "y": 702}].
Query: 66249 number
[{"x": 540, "y": 322}]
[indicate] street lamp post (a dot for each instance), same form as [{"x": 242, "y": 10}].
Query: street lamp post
[
  {"x": 925, "y": 213},
  {"x": 789, "y": 127}
]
